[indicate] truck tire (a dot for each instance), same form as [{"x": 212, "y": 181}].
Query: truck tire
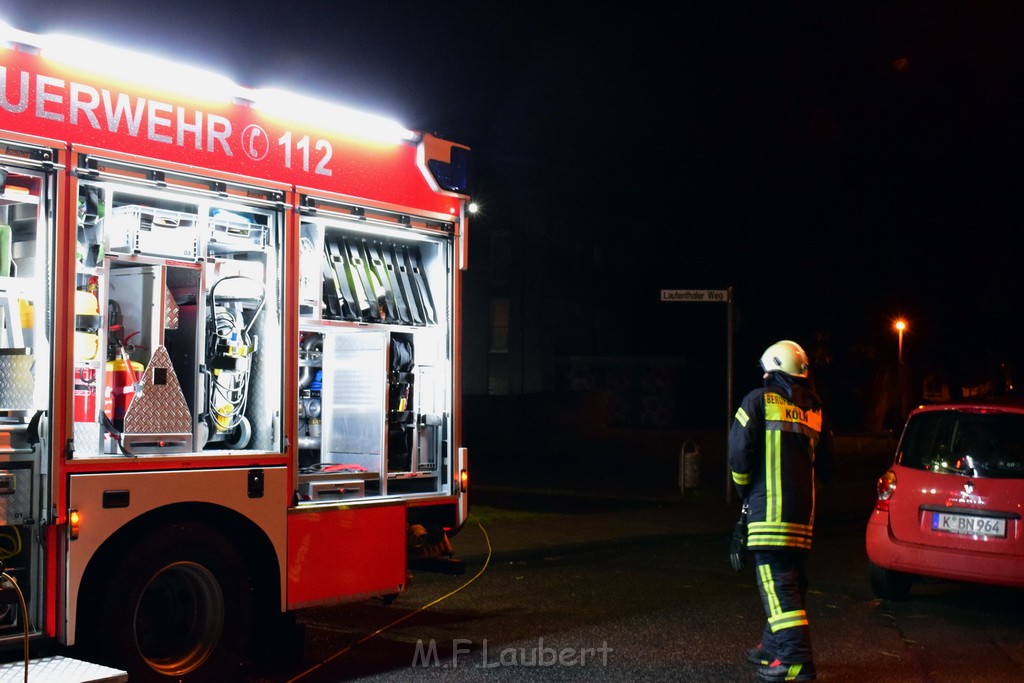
[{"x": 177, "y": 606}]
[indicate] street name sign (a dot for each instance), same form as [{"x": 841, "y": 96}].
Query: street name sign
[{"x": 717, "y": 296}]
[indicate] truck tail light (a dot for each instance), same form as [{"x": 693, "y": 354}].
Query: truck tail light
[
  {"x": 464, "y": 480},
  {"x": 73, "y": 523}
]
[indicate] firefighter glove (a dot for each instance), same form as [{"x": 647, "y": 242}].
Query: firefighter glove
[{"x": 738, "y": 545}]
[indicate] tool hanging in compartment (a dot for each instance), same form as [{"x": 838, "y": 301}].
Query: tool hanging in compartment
[
  {"x": 230, "y": 348},
  {"x": 353, "y": 303},
  {"x": 421, "y": 290},
  {"x": 335, "y": 301},
  {"x": 370, "y": 280},
  {"x": 366, "y": 280},
  {"x": 406, "y": 283},
  {"x": 401, "y": 415},
  {"x": 384, "y": 280}
]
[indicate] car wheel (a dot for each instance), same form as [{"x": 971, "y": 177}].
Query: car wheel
[{"x": 889, "y": 584}]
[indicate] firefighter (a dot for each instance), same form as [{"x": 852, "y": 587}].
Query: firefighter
[{"x": 778, "y": 447}]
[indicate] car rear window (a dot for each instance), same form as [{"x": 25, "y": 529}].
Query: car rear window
[{"x": 975, "y": 444}]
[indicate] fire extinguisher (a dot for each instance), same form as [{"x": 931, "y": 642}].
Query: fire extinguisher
[{"x": 122, "y": 380}]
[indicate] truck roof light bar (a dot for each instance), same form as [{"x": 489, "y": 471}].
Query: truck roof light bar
[
  {"x": 144, "y": 69},
  {"x": 302, "y": 109},
  {"x": 132, "y": 66}
]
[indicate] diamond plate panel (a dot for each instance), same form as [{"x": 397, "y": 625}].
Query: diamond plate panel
[
  {"x": 60, "y": 670},
  {"x": 87, "y": 438},
  {"x": 16, "y": 381},
  {"x": 170, "y": 311},
  {"x": 16, "y": 507},
  {"x": 161, "y": 407}
]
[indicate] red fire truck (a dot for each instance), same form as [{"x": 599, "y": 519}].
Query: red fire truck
[{"x": 229, "y": 356}]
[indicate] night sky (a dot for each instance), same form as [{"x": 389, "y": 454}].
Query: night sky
[{"x": 836, "y": 165}]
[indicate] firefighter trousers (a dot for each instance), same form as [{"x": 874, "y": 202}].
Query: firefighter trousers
[{"x": 782, "y": 582}]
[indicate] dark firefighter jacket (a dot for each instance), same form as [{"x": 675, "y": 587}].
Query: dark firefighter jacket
[{"x": 777, "y": 445}]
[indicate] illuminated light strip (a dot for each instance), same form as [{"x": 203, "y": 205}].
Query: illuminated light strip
[
  {"x": 147, "y": 70},
  {"x": 125, "y": 65},
  {"x": 290, "y": 106},
  {"x": 11, "y": 35}
]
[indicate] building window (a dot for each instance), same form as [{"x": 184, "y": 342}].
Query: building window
[
  {"x": 501, "y": 255},
  {"x": 499, "y": 325}
]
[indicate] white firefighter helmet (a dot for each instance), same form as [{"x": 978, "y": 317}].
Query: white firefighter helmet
[{"x": 785, "y": 356}]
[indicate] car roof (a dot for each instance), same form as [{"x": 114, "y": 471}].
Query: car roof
[{"x": 1015, "y": 405}]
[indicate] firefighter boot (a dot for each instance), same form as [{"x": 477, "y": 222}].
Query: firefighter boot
[
  {"x": 760, "y": 656},
  {"x": 777, "y": 671}
]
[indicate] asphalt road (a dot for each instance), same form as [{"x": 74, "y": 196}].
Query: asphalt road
[
  {"x": 656, "y": 608},
  {"x": 595, "y": 588}
]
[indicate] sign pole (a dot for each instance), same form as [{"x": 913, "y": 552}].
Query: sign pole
[
  {"x": 715, "y": 296},
  {"x": 728, "y": 392}
]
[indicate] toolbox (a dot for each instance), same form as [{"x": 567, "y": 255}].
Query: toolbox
[
  {"x": 137, "y": 229},
  {"x": 230, "y": 232}
]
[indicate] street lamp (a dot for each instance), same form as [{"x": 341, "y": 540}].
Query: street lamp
[{"x": 900, "y": 325}]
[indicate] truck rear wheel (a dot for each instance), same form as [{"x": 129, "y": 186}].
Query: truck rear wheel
[{"x": 177, "y": 606}]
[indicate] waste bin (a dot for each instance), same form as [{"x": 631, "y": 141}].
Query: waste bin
[{"x": 689, "y": 465}]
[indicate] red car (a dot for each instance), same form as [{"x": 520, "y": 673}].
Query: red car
[{"x": 950, "y": 506}]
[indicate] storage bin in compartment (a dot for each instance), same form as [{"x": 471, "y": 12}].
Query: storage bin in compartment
[
  {"x": 331, "y": 487},
  {"x": 231, "y": 232},
  {"x": 138, "y": 229}
]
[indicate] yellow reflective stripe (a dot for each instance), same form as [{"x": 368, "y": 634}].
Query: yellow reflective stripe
[
  {"x": 780, "y": 535},
  {"x": 794, "y": 427},
  {"x": 773, "y": 474},
  {"x": 778, "y": 541},
  {"x": 791, "y": 619},
  {"x": 778, "y": 409},
  {"x": 740, "y": 478},
  {"x": 782, "y": 527},
  {"x": 764, "y": 573},
  {"x": 742, "y": 417}
]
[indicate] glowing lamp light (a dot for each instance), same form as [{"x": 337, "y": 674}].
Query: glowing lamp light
[
  {"x": 900, "y": 325},
  {"x": 134, "y": 67},
  {"x": 289, "y": 106},
  {"x": 74, "y": 520},
  {"x": 11, "y": 35}
]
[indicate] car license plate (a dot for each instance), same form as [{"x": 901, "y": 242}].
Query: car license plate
[{"x": 968, "y": 524}]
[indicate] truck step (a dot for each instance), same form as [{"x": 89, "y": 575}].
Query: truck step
[{"x": 60, "y": 670}]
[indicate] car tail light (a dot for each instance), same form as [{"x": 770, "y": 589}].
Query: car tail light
[{"x": 886, "y": 486}]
